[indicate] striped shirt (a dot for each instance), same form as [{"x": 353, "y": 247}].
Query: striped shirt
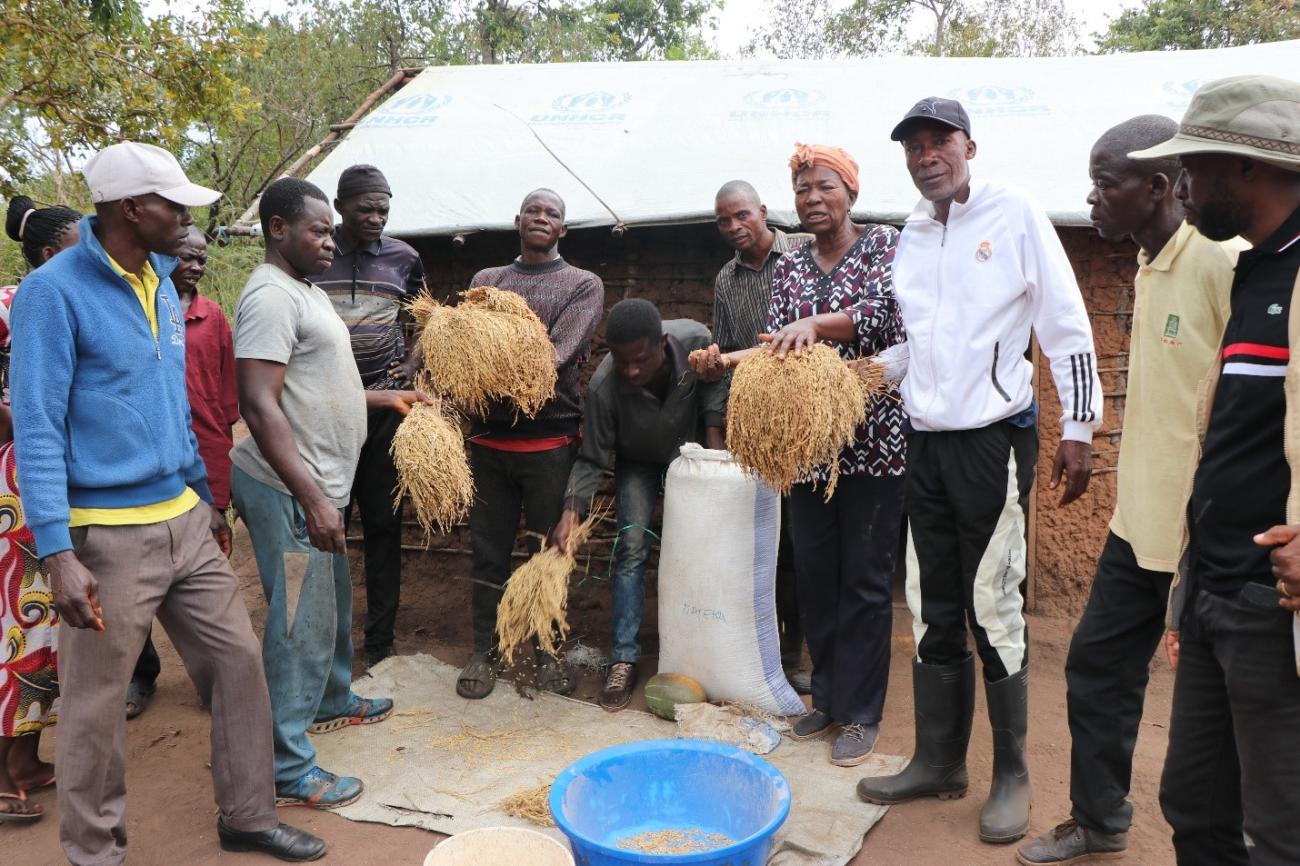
[
  {"x": 742, "y": 295},
  {"x": 368, "y": 286},
  {"x": 1243, "y": 480}
]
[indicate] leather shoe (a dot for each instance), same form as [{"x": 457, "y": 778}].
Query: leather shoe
[
  {"x": 812, "y": 726},
  {"x": 619, "y": 685},
  {"x": 282, "y": 842}
]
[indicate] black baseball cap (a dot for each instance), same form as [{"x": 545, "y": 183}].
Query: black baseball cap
[{"x": 946, "y": 111}]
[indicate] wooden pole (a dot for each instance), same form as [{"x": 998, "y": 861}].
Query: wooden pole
[
  {"x": 1031, "y": 525},
  {"x": 397, "y": 82}
]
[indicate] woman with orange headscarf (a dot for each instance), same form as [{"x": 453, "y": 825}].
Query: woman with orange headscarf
[{"x": 838, "y": 289}]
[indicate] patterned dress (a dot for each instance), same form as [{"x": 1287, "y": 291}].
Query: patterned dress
[
  {"x": 861, "y": 286},
  {"x": 29, "y": 686}
]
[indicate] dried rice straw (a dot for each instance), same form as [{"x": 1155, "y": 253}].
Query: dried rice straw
[
  {"x": 536, "y": 597},
  {"x": 871, "y": 376},
  {"x": 489, "y": 346},
  {"x": 530, "y": 804},
  {"x": 432, "y": 469},
  {"x": 787, "y": 418}
]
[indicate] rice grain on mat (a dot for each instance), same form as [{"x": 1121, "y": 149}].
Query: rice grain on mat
[
  {"x": 432, "y": 469},
  {"x": 477, "y": 748},
  {"x": 530, "y": 804},
  {"x": 489, "y": 346},
  {"x": 536, "y": 598},
  {"x": 787, "y": 418}
]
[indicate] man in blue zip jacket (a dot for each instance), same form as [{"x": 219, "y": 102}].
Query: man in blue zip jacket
[{"x": 117, "y": 498}]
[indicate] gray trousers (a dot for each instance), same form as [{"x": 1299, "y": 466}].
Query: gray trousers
[{"x": 176, "y": 571}]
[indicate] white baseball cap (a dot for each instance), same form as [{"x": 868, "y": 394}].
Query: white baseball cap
[{"x": 131, "y": 168}]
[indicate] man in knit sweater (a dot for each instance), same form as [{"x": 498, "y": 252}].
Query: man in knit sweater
[{"x": 523, "y": 463}]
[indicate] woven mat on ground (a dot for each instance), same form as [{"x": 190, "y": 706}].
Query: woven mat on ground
[{"x": 445, "y": 763}]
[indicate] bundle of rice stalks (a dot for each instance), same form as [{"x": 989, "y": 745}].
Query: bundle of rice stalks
[
  {"x": 536, "y": 598},
  {"x": 429, "y": 453},
  {"x": 531, "y": 804},
  {"x": 788, "y": 417},
  {"x": 489, "y": 346},
  {"x": 871, "y": 376}
]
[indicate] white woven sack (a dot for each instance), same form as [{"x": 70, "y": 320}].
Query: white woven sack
[{"x": 717, "y": 582}]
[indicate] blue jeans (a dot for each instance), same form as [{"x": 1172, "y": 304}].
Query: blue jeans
[
  {"x": 307, "y": 653},
  {"x": 637, "y": 486}
]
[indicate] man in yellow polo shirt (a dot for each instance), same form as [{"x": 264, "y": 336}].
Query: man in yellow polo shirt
[
  {"x": 1180, "y": 307},
  {"x": 117, "y": 499}
]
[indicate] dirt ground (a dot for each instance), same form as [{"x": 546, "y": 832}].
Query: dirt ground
[{"x": 171, "y": 816}]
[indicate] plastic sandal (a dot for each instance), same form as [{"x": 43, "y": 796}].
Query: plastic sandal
[
  {"x": 478, "y": 679},
  {"x": 28, "y": 815},
  {"x": 555, "y": 676}
]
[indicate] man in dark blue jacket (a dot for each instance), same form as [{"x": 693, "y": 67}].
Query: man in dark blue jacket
[{"x": 117, "y": 498}]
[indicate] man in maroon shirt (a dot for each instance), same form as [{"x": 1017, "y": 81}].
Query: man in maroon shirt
[{"x": 214, "y": 409}]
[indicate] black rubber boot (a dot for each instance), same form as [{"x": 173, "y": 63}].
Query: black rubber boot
[
  {"x": 1005, "y": 817},
  {"x": 944, "y": 699}
]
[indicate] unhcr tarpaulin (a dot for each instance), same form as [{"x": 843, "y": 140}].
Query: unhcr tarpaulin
[{"x": 649, "y": 143}]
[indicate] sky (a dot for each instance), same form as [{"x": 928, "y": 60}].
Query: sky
[{"x": 739, "y": 17}]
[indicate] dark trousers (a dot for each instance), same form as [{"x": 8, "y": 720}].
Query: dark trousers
[
  {"x": 1231, "y": 786},
  {"x": 845, "y": 550},
  {"x": 381, "y": 528},
  {"x": 1106, "y": 676},
  {"x": 967, "y": 495},
  {"x": 787, "y": 595},
  {"x": 506, "y": 483},
  {"x": 148, "y": 666}
]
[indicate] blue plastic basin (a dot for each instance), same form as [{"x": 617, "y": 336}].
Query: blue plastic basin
[{"x": 686, "y": 785}]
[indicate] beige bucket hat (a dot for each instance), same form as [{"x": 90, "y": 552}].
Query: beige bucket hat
[{"x": 1249, "y": 115}]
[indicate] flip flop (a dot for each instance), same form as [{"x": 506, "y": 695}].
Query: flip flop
[{"x": 29, "y": 814}]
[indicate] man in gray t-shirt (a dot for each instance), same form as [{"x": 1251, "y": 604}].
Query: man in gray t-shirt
[{"x": 301, "y": 395}]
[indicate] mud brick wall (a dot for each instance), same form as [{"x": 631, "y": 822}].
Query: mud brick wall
[
  {"x": 1065, "y": 542},
  {"x": 674, "y": 266}
]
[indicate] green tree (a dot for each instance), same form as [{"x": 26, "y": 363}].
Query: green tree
[
  {"x": 1161, "y": 25},
  {"x": 656, "y": 29},
  {"x": 239, "y": 97},
  {"x": 1013, "y": 28},
  {"x": 957, "y": 28},
  {"x": 75, "y": 76},
  {"x": 501, "y": 31},
  {"x": 795, "y": 30}
]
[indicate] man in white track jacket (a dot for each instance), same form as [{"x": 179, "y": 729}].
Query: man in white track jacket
[{"x": 978, "y": 265}]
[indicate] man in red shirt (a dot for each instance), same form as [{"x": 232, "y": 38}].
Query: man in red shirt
[{"x": 214, "y": 409}]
